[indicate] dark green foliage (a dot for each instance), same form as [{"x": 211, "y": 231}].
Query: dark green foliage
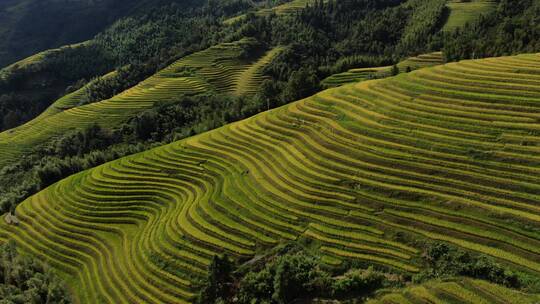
[
  {"x": 357, "y": 282},
  {"x": 288, "y": 277},
  {"x": 297, "y": 276},
  {"x": 514, "y": 27},
  {"x": 218, "y": 287},
  {"x": 24, "y": 280},
  {"x": 126, "y": 77},
  {"x": 330, "y": 38},
  {"x": 165, "y": 33},
  {"x": 395, "y": 70},
  {"x": 30, "y": 26},
  {"x": 27, "y": 90},
  {"x": 141, "y": 44},
  {"x": 289, "y": 274},
  {"x": 421, "y": 31},
  {"x": 444, "y": 261},
  {"x": 302, "y": 83},
  {"x": 321, "y": 35},
  {"x": 356, "y": 61}
]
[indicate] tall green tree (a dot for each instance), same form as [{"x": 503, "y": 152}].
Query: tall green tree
[{"x": 218, "y": 287}]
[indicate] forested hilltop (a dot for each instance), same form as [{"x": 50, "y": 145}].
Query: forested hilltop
[
  {"x": 31, "y": 26},
  {"x": 305, "y": 197}
]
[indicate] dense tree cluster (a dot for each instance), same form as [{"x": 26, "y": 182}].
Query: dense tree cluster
[
  {"x": 31, "y": 26},
  {"x": 331, "y": 37},
  {"x": 422, "y": 30},
  {"x": 292, "y": 274},
  {"x": 218, "y": 287},
  {"x": 28, "y": 89},
  {"x": 105, "y": 87},
  {"x": 24, "y": 280},
  {"x": 443, "y": 260},
  {"x": 514, "y": 27}
]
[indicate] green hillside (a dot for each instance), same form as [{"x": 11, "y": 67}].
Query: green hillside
[
  {"x": 31, "y": 26},
  {"x": 460, "y": 291},
  {"x": 285, "y": 8},
  {"x": 29, "y": 86},
  {"x": 448, "y": 153},
  {"x": 362, "y": 74},
  {"x": 356, "y": 75},
  {"x": 170, "y": 29},
  {"x": 31, "y": 61},
  {"x": 220, "y": 68},
  {"x": 462, "y": 12}
]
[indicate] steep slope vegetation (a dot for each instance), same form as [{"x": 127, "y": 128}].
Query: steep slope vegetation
[
  {"x": 285, "y": 8},
  {"x": 511, "y": 28},
  {"x": 169, "y": 30},
  {"x": 462, "y": 291},
  {"x": 462, "y": 12},
  {"x": 31, "y": 26},
  {"x": 362, "y": 74},
  {"x": 364, "y": 171},
  {"x": 221, "y": 68},
  {"x": 344, "y": 31},
  {"x": 29, "y": 86}
]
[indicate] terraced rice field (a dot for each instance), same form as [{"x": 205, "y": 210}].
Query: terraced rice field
[
  {"x": 421, "y": 61},
  {"x": 462, "y": 291},
  {"x": 283, "y": 9},
  {"x": 221, "y": 68},
  {"x": 71, "y": 100},
  {"x": 449, "y": 153},
  {"x": 248, "y": 81},
  {"x": 355, "y": 75},
  {"x": 363, "y": 74},
  {"x": 218, "y": 68},
  {"x": 462, "y": 12}
]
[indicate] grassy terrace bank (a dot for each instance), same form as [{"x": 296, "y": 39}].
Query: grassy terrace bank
[
  {"x": 462, "y": 12},
  {"x": 363, "y": 74},
  {"x": 459, "y": 291},
  {"x": 449, "y": 153}
]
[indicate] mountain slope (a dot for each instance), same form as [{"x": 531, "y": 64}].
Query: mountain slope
[
  {"x": 447, "y": 153},
  {"x": 462, "y": 12},
  {"x": 285, "y": 8},
  {"x": 218, "y": 68},
  {"x": 31, "y": 26},
  {"x": 29, "y": 86},
  {"x": 362, "y": 74}
]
